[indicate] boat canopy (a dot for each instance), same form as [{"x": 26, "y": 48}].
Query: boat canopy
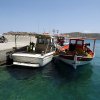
[
  {"x": 44, "y": 39},
  {"x": 43, "y": 36}
]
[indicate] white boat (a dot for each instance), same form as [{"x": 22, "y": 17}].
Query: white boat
[{"x": 36, "y": 55}]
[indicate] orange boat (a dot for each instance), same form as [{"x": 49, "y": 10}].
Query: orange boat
[{"x": 77, "y": 52}]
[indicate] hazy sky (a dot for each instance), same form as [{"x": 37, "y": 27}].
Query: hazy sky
[{"x": 45, "y": 15}]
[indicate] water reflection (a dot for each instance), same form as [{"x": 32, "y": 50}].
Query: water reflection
[
  {"x": 57, "y": 72},
  {"x": 23, "y": 73},
  {"x": 67, "y": 72}
]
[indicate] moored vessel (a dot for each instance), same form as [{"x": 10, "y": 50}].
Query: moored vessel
[
  {"x": 77, "y": 52},
  {"x": 36, "y": 55}
]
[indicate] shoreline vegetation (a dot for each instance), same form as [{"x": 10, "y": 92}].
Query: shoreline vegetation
[{"x": 72, "y": 34}]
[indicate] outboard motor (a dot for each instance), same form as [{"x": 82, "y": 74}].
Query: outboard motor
[{"x": 9, "y": 59}]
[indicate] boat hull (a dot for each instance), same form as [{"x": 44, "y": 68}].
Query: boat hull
[
  {"x": 32, "y": 60},
  {"x": 73, "y": 63}
]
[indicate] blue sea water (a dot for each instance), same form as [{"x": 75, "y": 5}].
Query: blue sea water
[{"x": 52, "y": 82}]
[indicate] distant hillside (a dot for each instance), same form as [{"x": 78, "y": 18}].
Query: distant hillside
[
  {"x": 87, "y": 35},
  {"x": 73, "y": 34}
]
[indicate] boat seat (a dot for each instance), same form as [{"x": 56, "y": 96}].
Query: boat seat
[
  {"x": 80, "y": 51},
  {"x": 89, "y": 56}
]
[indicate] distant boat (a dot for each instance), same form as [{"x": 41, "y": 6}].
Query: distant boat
[
  {"x": 61, "y": 42},
  {"x": 77, "y": 52},
  {"x": 36, "y": 55}
]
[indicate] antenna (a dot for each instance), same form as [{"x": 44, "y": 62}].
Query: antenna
[
  {"x": 53, "y": 31},
  {"x": 57, "y": 32},
  {"x": 38, "y": 28},
  {"x": 43, "y": 30}
]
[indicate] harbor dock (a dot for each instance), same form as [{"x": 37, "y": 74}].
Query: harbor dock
[{"x": 10, "y": 44}]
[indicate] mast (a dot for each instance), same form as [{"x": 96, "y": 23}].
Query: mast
[
  {"x": 15, "y": 40},
  {"x": 94, "y": 45}
]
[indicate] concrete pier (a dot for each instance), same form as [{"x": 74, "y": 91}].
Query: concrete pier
[{"x": 8, "y": 46}]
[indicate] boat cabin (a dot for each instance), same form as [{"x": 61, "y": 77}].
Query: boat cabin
[
  {"x": 75, "y": 43},
  {"x": 44, "y": 44}
]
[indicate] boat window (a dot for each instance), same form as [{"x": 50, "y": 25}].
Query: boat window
[
  {"x": 40, "y": 41},
  {"x": 44, "y": 41},
  {"x": 48, "y": 40},
  {"x": 73, "y": 41},
  {"x": 79, "y": 42}
]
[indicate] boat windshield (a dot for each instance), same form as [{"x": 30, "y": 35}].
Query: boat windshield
[
  {"x": 79, "y": 42},
  {"x": 44, "y": 41},
  {"x": 73, "y": 41}
]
